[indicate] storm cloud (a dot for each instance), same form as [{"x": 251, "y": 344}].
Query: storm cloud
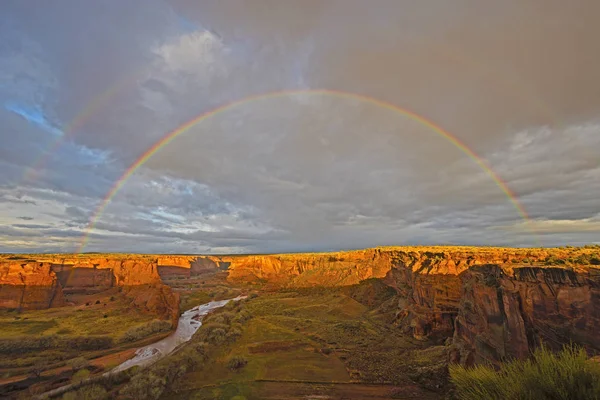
[{"x": 86, "y": 88}]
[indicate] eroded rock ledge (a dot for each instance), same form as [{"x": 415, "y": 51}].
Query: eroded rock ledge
[{"x": 40, "y": 283}]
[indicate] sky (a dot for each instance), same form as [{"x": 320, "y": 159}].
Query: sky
[{"x": 87, "y": 87}]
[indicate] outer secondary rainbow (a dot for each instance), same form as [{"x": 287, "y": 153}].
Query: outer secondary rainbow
[{"x": 169, "y": 137}]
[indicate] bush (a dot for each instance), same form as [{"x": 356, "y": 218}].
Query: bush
[
  {"x": 236, "y": 363},
  {"x": 92, "y": 392},
  {"x": 222, "y": 318},
  {"x": 143, "y": 331},
  {"x": 566, "y": 375},
  {"x": 80, "y": 375},
  {"x": 202, "y": 351},
  {"x": 22, "y": 345},
  {"x": 78, "y": 363},
  {"x": 144, "y": 386},
  {"x": 243, "y": 316},
  {"x": 213, "y": 333}
]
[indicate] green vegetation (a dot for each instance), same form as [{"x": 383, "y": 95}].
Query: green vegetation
[
  {"x": 19, "y": 346},
  {"x": 568, "y": 375},
  {"x": 78, "y": 321},
  {"x": 80, "y": 375},
  {"x": 92, "y": 392},
  {"x": 148, "y": 329},
  {"x": 189, "y": 300},
  {"x": 320, "y": 335},
  {"x": 236, "y": 362}
]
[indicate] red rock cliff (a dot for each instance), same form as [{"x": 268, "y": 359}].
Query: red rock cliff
[
  {"x": 39, "y": 285},
  {"x": 506, "y": 312},
  {"x": 29, "y": 285}
]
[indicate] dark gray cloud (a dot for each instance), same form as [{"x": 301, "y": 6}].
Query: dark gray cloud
[{"x": 87, "y": 87}]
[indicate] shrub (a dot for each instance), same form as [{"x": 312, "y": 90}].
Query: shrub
[
  {"x": 144, "y": 386},
  {"x": 236, "y": 363},
  {"x": 143, "y": 331},
  {"x": 213, "y": 333},
  {"x": 202, "y": 351},
  {"x": 21, "y": 345},
  {"x": 222, "y": 318},
  {"x": 233, "y": 334},
  {"x": 243, "y": 316},
  {"x": 78, "y": 363},
  {"x": 566, "y": 375},
  {"x": 91, "y": 392},
  {"x": 80, "y": 375}
]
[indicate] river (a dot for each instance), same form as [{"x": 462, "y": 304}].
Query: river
[{"x": 189, "y": 322}]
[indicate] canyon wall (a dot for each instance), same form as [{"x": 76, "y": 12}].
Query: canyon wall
[
  {"x": 26, "y": 284},
  {"x": 488, "y": 303},
  {"x": 506, "y": 312},
  {"x": 29, "y": 285}
]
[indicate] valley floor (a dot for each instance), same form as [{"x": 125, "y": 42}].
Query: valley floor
[{"x": 314, "y": 343}]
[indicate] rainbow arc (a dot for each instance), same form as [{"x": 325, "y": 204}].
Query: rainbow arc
[{"x": 169, "y": 137}]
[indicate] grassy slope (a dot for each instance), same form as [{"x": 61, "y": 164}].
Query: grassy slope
[
  {"x": 71, "y": 321},
  {"x": 314, "y": 341},
  {"x": 79, "y": 320}
]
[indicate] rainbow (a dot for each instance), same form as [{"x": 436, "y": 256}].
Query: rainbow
[
  {"x": 111, "y": 91},
  {"x": 169, "y": 137}
]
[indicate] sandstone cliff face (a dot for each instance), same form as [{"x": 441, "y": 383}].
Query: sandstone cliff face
[
  {"x": 29, "y": 285},
  {"x": 39, "y": 285},
  {"x": 90, "y": 271},
  {"x": 445, "y": 293},
  {"x": 429, "y": 286},
  {"x": 157, "y": 300},
  {"x": 176, "y": 261},
  {"x": 505, "y": 313},
  {"x": 309, "y": 269}
]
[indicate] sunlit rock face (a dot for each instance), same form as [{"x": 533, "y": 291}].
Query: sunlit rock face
[
  {"x": 29, "y": 286},
  {"x": 505, "y": 314}
]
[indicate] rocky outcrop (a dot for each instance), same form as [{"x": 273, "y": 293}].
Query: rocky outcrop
[
  {"x": 39, "y": 285},
  {"x": 176, "y": 261},
  {"x": 29, "y": 286},
  {"x": 125, "y": 271},
  {"x": 506, "y": 312},
  {"x": 308, "y": 269},
  {"x": 157, "y": 300}
]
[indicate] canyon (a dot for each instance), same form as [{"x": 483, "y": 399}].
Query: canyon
[
  {"x": 486, "y": 304},
  {"x": 40, "y": 282}
]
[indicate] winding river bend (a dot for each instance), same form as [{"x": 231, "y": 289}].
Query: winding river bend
[{"x": 189, "y": 322}]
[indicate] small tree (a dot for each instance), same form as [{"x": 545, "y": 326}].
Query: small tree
[
  {"x": 144, "y": 386},
  {"x": 236, "y": 362},
  {"x": 38, "y": 367},
  {"x": 79, "y": 363},
  {"x": 80, "y": 376}
]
